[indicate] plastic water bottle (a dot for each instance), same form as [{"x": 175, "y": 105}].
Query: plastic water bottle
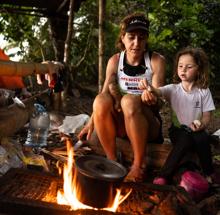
[{"x": 38, "y": 127}]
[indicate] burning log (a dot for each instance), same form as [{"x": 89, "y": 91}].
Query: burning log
[
  {"x": 210, "y": 205},
  {"x": 154, "y": 199},
  {"x": 14, "y": 117}
]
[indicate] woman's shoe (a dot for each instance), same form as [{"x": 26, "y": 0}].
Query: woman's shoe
[{"x": 160, "y": 181}]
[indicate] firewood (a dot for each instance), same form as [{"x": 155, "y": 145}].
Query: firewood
[
  {"x": 210, "y": 205},
  {"x": 88, "y": 212},
  {"x": 152, "y": 199},
  {"x": 169, "y": 206}
]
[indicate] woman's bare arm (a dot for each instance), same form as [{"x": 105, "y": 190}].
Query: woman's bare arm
[
  {"x": 158, "y": 69},
  {"x": 111, "y": 69}
]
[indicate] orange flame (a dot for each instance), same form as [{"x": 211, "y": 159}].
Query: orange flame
[{"x": 69, "y": 194}]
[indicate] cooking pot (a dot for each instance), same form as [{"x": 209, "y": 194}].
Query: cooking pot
[{"x": 97, "y": 179}]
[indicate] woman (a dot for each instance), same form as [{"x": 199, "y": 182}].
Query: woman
[{"x": 138, "y": 119}]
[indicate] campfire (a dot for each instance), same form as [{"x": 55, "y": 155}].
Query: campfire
[
  {"x": 69, "y": 194},
  {"x": 25, "y": 191}
]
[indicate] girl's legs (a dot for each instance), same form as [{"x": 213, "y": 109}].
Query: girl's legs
[
  {"x": 203, "y": 150},
  {"x": 182, "y": 144}
]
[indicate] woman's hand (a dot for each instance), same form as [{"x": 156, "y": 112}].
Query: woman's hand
[
  {"x": 87, "y": 130},
  {"x": 147, "y": 96}
]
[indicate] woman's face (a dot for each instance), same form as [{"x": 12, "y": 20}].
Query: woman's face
[
  {"x": 187, "y": 69},
  {"x": 134, "y": 42}
]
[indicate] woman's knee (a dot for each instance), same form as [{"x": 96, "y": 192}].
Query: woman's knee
[
  {"x": 102, "y": 103},
  {"x": 130, "y": 104}
]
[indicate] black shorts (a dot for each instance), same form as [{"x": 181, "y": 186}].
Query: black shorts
[{"x": 160, "y": 138}]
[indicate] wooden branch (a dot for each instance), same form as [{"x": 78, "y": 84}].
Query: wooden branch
[
  {"x": 102, "y": 9},
  {"x": 69, "y": 33},
  {"x": 61, "y": 6}
]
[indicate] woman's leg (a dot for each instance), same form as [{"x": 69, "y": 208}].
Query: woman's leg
[
  {"x": 138, "y": 123},
  {"x": 203, "y": 150},
  {"x": 103, "y": 113}
]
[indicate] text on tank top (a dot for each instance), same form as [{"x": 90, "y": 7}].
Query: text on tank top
[{"x": 129, "y": 76}]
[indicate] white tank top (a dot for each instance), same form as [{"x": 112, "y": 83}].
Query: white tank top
[{"x": 129, "y": 84}]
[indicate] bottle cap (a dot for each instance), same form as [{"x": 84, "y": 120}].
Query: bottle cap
[{"x": 38, "y": 109}]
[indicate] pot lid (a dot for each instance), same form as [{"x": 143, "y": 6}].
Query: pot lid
[{"x": 100, "y": 168}]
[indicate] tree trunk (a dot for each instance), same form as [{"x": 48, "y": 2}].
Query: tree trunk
[
  {"x": 59, "y": 26},
  {"x": 102, "y": 4},
  {"x": 58, "y": 31},
  {"x": 69, "y": 33}
]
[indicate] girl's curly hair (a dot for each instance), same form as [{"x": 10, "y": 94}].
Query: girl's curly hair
[{"x": 201, "y": 60}]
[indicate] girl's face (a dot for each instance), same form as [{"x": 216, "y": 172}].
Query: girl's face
[
  {"x": 187, "y": 69},
  {"x": 134, "y": 42}
]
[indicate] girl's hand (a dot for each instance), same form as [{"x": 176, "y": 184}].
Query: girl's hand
[
  {"x": 148, "y": 97},
  {"x": 87, "y": 130},
  {"x": 143, "y": 84},
  {"x": 197, "y": 125}
]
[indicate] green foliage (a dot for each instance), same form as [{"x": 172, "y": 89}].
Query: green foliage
[
  {"x": 86, "y": 37},
  {"x": 18, "y": 30},
  {"x": 216, "y": 113}
]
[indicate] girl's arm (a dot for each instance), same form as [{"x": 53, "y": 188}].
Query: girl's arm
[{"x": 144, "y": 85}]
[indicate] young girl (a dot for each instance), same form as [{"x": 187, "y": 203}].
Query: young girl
[{"x": 192, "y": 102}]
